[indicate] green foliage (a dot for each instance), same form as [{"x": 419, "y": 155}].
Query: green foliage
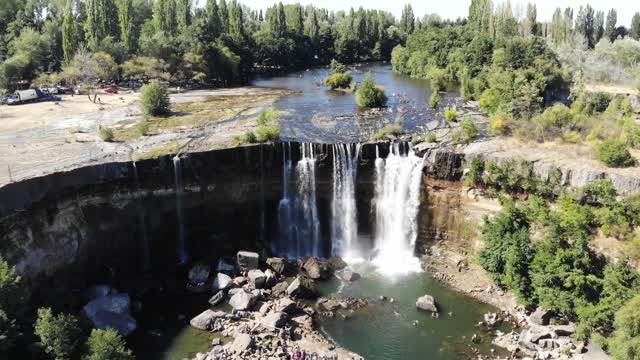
[
  {"x": 468, "y": 130},
  {"x": 154, "y": 99},
  {"x": 268, "y": 116},
  {"x": 369, "y": 94},
  {"x": 338, "y": 81},
  {"x": 249, "y": 137},
  {"x": 106, "y": 345},
  {"x": 143, "y": 127},
  {"x": 599, "y": 102},
  {"x": 450, "y": 115},
  {"x": 431, "y": 137},
  {"x": 60, "y": 334},
  {"x": 336, "y": 67},
  {"x": 434, "y": 100},
  {"x": 106, "y": 134},
  {"x": 269, "y": 133},
  {"x": 614, "y": 153},
  {"x": 625, "y": 342},
  {"x": 392, "y": 130},
  {"x": 11, "y": 294}
]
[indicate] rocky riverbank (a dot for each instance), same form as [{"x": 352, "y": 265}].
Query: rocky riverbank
[{"x": 274, "y": 308}]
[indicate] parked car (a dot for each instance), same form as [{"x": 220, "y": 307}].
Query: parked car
[{"x": 110, "y": 90}]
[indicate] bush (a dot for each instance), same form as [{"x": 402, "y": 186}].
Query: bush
[
  {"x": 450, "y": 115},
  {"x": 106, "y": 134},
  {"x": 249, "y": 137},
  {"x": 431, "y": 137},
  {"x": 614, "y": 153},
  {"x": 154, "y": 99},
  {"x": 625, "y": 342},
  {"x": 389, "y": 130},
  {"x": 599, "y": 102},
  {"x": 490, "y": 101},
  {"x": 143, "y": 127},
  {"x": 107, "y": 345},
  {"x": 338, "y": 81},
  {"x": 468, "y": 129},
  {"x": 59, "y": 334},
  {"x": 369, "y": 95},
  {"x": 498, "y": 125},
  {"x": 268, "y": 133},
  {"x": 337, "y": 67},
  {"x": 556, "y": 116},
  {"x": 267, "y": 117},
  {"x": 10, "y": 290},
  {"x": 434, "y": 100}
]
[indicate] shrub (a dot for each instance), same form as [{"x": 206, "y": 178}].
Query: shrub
[
  {"x": 498, "y": 125},
  {"x": 106, "y": 134},
  {"x": 625, "y": 342},
  {"x": 107, "y": 345},
  {"x": 599, "y": 102},
  {"x": 431, "y": 137},
  {"x": 268, "y": 133},
  {"x": 434, "y": 100},
  {"x": 249, "y": 137},
  {"x": 143, "y": 127},
  {"x": 468, "y": 129},
  {"x": 490, "y": 101},
  {"x": 571, "y": 137},
  {"x": 338, "y": 81},
  {"x": 10, "y": 290},
  {"x": 154, "y": 99},
  {"x": 337, "y": 67},
  {"x": 267, "y": 116},
  {"x": 370, "y": 95},
  {"x": 556, "y": 116},
  {"x": 614, "y": 153},
  {"x": 450, "y": 114},
  {"x": 59, "y": 334},
  {"x": 389, "y": 130}
]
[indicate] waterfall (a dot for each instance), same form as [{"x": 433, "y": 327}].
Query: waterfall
[
  {"x": 397, "y": 199},
  {"x": 298, "y": 223},
  {"x": 344, "y": 220},
  {"x": 182, "y": 251},
  {"x": 146, "y": 252}
]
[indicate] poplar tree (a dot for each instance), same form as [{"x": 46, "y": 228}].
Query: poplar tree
[
  {"x": 296, "y": 19},
  {"x": 599, "y": 26},
  {"x": 214, "y": 23},
  {"x": 236, "y": 23},
  {"x": 100, "y": 21},
  {"x": 634, "y": 30},
  {"x": 125, "y": 19},
  {"x": 223, "y": 12},
  {"x": 312, "y": 27},
  {"x": 585, "y": 24},
  {"x": 69, "y": 39},
  {"x": 183, "y": 13},
  {"x": 610, "y": 29},
  {"x": 407, "y": 20}
]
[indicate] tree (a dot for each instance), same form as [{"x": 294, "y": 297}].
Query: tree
[
  {"x": 60, "y": 334},
  {"x": 614, "y": 153},
  {"x": 214, "y": 24},
  {"x": 183, "y": 14},
  {"x": 11, "y": 294},
  {"x": 69, "y": 39},
  {"x": 125, "y": 20},
  {"x": 105, "y": 68},
  {"x": 529, "y": 23},
  {"x": 634, "y": 30},
  {"x": 101, "y": 21},
  {"x": 154, "y": 99},
  {"x": 610, "y": 28},
  {"x": 106, "y": 345},
  {"x": 407, "y": 20},
  {"x": 369, "y": 94},
  {"x": 625, "y": 342},
  {"x": 585, "y": 24},
  {"x": 599, "y": 26}
]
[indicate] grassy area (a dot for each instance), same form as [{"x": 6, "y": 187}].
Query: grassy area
[{"x": 171, "y": 148}]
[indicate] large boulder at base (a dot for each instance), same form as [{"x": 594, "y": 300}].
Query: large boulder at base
[
  {"x": 206, "y": 319},
  {"x": 274, "y": 320},
  {"x": 349, "y": 275},
  {"x": 285, "y": 305},
  {"x": 247, "y": 260},
  {"x": 427, "y": 303},
  {"x": 279, "y": 288},
  {"x": 217, "y": 298},
  {"x": 279, "y": 265},
  {"x": 529, "y": 338},
  {"x": 124, "y": 324},
  {"x": 242, "y": 300},
  {"x": 541, "y": 316},
  {"x": 199, "y": 273},
  {"x": 315, "y": 268},
  {"x": 257, "y": 278},
  {"x": 270, "y": 278},
  {"x": 241, "y": 343},
  {"x": 336, "y": 263},
  {"x": 116, "y": 303},
  {"x": 299, "y": 288},
  {"x": 222, "y": 282}
]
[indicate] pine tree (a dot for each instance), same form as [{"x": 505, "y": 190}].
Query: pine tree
[
  {"x": 634, "y": 30},
  {"x": 610, "y": 28},
  {"x": 125, "y": 19},
  {"x": 69, "y": 39},
  {"x": 236, "y": 22}
]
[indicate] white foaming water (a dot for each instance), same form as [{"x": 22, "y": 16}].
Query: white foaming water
[
  {"x": 397, "y": 199},
  {"x": 299, "y": 226},
  {"x": 182, "y": 251},
  {"x": 344, "y": 222}
]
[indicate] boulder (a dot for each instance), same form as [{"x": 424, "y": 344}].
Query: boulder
[
  {"x": 329, "y": 305},
  {"x": 279, "y": 265},
  {"x": 98, "y": 291},
  {"x": 279, "y": 288},
  {"x": 239, "y": 281},
  {"x": 124, "y": 324},
  {"x": 206, "y": 319},
  {"x": 349, "y": 275},
  {"x": 492, "y": 319},
  {"x": 242, "y": 300},
  {"x": 336, "y": 263},
  {"x": 529, "y": 338},
  {"x": 564, "y": 330},
  {"x": 285, "y": 305},
  {"x": 217, "y": 298},
  {"x": 541, "y": 316},
  {"x": 116, "y": 303},
  {"x": 299, "y": 288},
  {"x": 314, "y": 268},
  {"x": 222, "y": 282},
  {"x": 235, "y": 291},
  {"x": 427, "y": 303},
  {"x": 274, "y": 320},
  {"x": 257, "y": 278},
  {"x": 241, "y": 343},
  {"x": 199, "y": 273},
  {"x": 247, "y": 260},
  {"x": 270, "y": 278}
]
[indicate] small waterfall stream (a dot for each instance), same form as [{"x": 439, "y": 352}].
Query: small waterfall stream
[
  {"x": 344, "y": 222},
  {"x": 146, "y": 248},
  {"x": 182, "y": 250}
]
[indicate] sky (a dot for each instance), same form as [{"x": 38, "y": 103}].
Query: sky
[{"x": 459, "y": 8}]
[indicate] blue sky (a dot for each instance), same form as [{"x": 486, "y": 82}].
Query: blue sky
[{"x": 455, "y": 8}]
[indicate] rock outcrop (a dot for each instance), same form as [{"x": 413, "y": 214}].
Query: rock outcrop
[{"x": 427, "y": 303}]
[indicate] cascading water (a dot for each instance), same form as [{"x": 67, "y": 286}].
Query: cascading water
[
  {"x": 344, "y": 223},
  {"x": 299, "y": 226},
  {"x": 146, "y": 256},
  {"x": 182, "y": 252},
  {"x": 397, "y": 199}
]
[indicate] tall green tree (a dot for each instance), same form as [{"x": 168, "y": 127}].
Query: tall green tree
[
  {"x": 125, "y": 19},
  {"x": 585, "y": 24},
  {"x": 223, "y": 11},
  {"x": 101, "y": 21},
  {"x": 610, "y": 29},
  {"x": 598, "y": 32},
  {"x": 69, "y": 39},
  {"x": 183, "y": 13},
  {"x": 625, "y": 343},
  {"x": 296, "y": 19},
  {"x": 481, "y": 16},
  {"x": 634, "y": 30},
  {"x": 407, "y": 20},
  {"x": 312, "y": 27},
  {"x": 214, "y": 24}
]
